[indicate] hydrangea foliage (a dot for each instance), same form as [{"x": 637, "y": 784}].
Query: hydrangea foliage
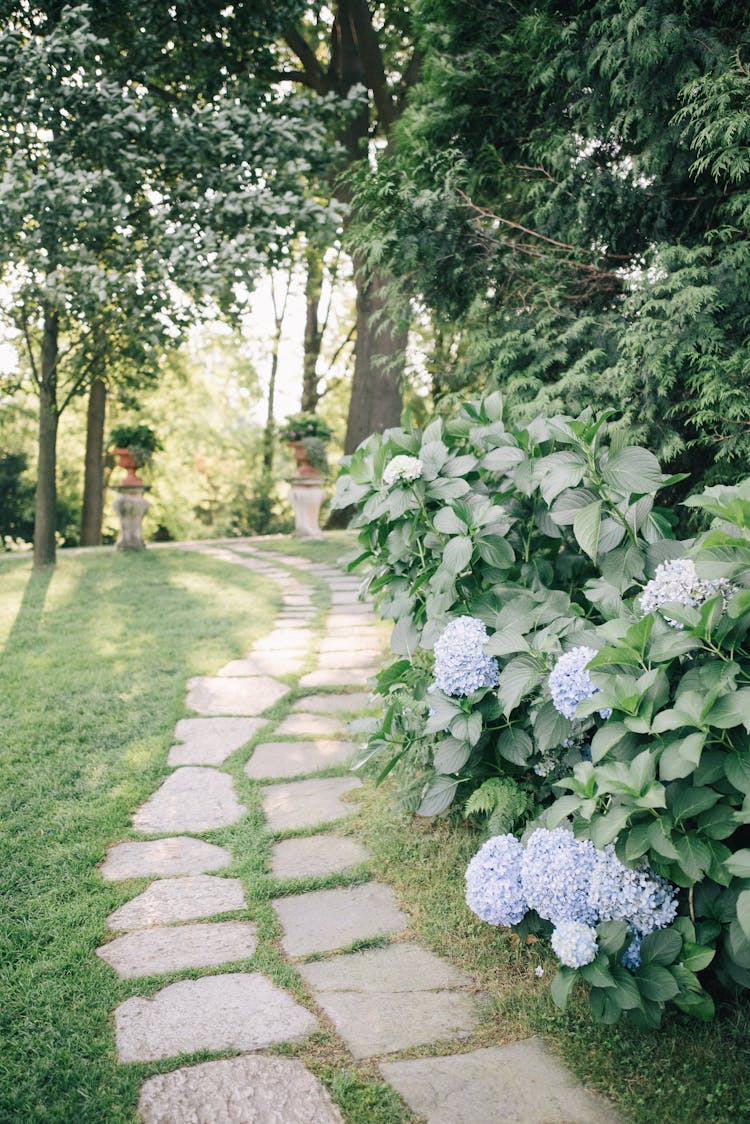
[{"x": 461, "y": 664}]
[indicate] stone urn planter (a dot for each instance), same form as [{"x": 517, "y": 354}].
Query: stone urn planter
[
  {"x": 304, "y": 467},
  {"x": 126, "y": 461}
]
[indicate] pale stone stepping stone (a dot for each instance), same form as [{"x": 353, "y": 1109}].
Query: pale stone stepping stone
[
  {"x": 362, "y": 632},
  {"x": 213, "y": 695},
  {"x": 338, "y": 677},
  {"x": 346, "y": 643},
  {"x": 390, "y": 999},
  {"x": 350, "y": 615},
  {"x": 180, "y": 899},
  {"x": 523, "y": 1083},
  {"x": 192, "y": 799},
  {"x": 233, "y": 1011},
  {"x": 245, "y": 1090},
  {"x": 285, "y": 639},
  {"x": 165, "y": 857},
  {"x": 209, "y": 741},
  {"x": 316, "y": 856},
  {"x": 292, "y": 759},
  {"x": 327, "y": 919},
  {"x": 263, "y": 663},
  {"x": 312, "y": 724},
  {"x": 364, "y": 657},
  {"x": 334, "y": 704},
  {"x": 150, "y": 952},
  {"x": 307, "y": 803}
]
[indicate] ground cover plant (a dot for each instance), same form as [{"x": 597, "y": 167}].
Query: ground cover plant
[{"x": 566, "y": 660}]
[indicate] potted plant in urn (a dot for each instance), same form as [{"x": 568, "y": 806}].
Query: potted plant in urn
[
  {"x": 308, "y": 436},
  {"x": 134, "y": 446}
]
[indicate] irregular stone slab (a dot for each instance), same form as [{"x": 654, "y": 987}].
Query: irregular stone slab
[
  {"x": 329, "y": 677},
  {"x": 233, "y": 1011},
  {"x": 285, "y": 639},
  {"x": 344, "y": 642},
  {"x": 389, "y": 999},
  {"x": 350, "y": 614},
  {"x": 302, "y": 723},
  {"x": 192, "y": 799},
  {"x": 209, "y": 741},
  {"x": 316, "y": 856},
  {"x": 364, "y": 633},
  {"x": 364, "y": 657},
  {"x": 263, "y": 663},
  {"x": 166, "y": 857},
  {"x": 396, "y": 968},
  {"x": 150, "y": 952},
  {"x": 179, "y": 899},
  {"x": 292, "y": 759},
  {"x": 307, "y": 803},
  {"x": 245, "y": 1090},
  {"x": 335, "y": 704},
  {"x": 522, "y": 1083},
  {"x": 212, "y": 695},
  {"x": 327, "y": 919}
]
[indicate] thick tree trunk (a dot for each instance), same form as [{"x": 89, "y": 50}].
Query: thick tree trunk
[
  {"x": 378, "y": 367},
  {"x": 93, "y": 477},
  {"x": 46, "y": 475},
  {"x": 313, "y": 333}
]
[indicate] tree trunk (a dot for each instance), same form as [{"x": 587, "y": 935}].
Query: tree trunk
[
  {"x": 93, "y": 480},
  {"x": 378, "y": 367},
  {"x": 46, "y": 476},
  {"x": 313, "y": 334}
]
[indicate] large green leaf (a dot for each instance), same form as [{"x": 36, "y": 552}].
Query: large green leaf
[
  {"x": 562, "y": 985},
  {"x": 661, "y": 947},
  {"x": 457, "y": 554},
  {"x": 656, "y": 982},
  {"x": 587, "y": 527},
  {"x": 439, "y": 796},
  {"x": 519, "y": 677},
  {"x": 633, "y": 471}
]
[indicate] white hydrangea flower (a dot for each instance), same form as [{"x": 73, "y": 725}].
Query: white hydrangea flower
[
  {"x": 677, "y": 582},
  {"x": 402, "y": 468}
]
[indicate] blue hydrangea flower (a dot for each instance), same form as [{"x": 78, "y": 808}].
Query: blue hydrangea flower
[
  {"x": 574, "y": 943},
  {"x": 677, "y": 581},
  {"x": 461, "y": 665},
  {"x": 402, "y": 468},
  {"x": 555, "y": 873},
  {"x": 493, "y": 882},
  {"x": 570, "y": 682},
  {"x": 631, "y": 957},
  {"x": 642, "y": 898}
]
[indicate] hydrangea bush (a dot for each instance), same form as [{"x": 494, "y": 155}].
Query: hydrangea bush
[{"x": 540, "y": 680}]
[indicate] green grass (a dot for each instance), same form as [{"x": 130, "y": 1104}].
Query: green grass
[
  {"x": 335, "y": 545},
  {"x": 94, "y": 657}
]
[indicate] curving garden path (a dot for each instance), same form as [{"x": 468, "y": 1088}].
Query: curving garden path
[{"x": 380, "y": 1001}]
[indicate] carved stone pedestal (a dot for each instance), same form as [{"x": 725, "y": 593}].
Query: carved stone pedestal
[
  {"x": 130, "y": 506},
  {"x": 306, "y": 495}
]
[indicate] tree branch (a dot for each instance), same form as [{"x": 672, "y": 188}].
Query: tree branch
[{"x": 304, "y": 52}]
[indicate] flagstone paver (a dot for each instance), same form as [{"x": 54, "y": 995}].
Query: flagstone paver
[
  {"x": 214, "y": 695},
  {"x": 343, "y": 642},
  {"x": 356, "y": 677},
  {"x": 263, "y": 663},
  {"x": 393, "y": 998},
  {"x": 150, "y": 952},
  {"x": 180, "y": 899},
  {"x": 335, "y": 704},
  {"x": 191, "y": 799},
  {"x": 328, "y": 919},
  {"x": 307, "y": 803},
  {"x": 284, "y": 640},
  {"x": 209, "y": 741},
  {"x": 294, "y": 759},
  {"x": 523, "y": 1083},
  {"x": 310, "y": 724},
  {"x": 162, "y": 858},
  {"x": 315, "y": 856},
  {"x": 367, "y": 658},
  {"x": 233, "y": 1011},
  {"x": 245, "y": 1090}
]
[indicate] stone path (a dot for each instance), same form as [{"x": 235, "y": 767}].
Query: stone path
[{"x": 358, "y": 971}]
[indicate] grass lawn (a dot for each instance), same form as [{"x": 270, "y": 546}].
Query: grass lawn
[{"x": 93, "y": 662}]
